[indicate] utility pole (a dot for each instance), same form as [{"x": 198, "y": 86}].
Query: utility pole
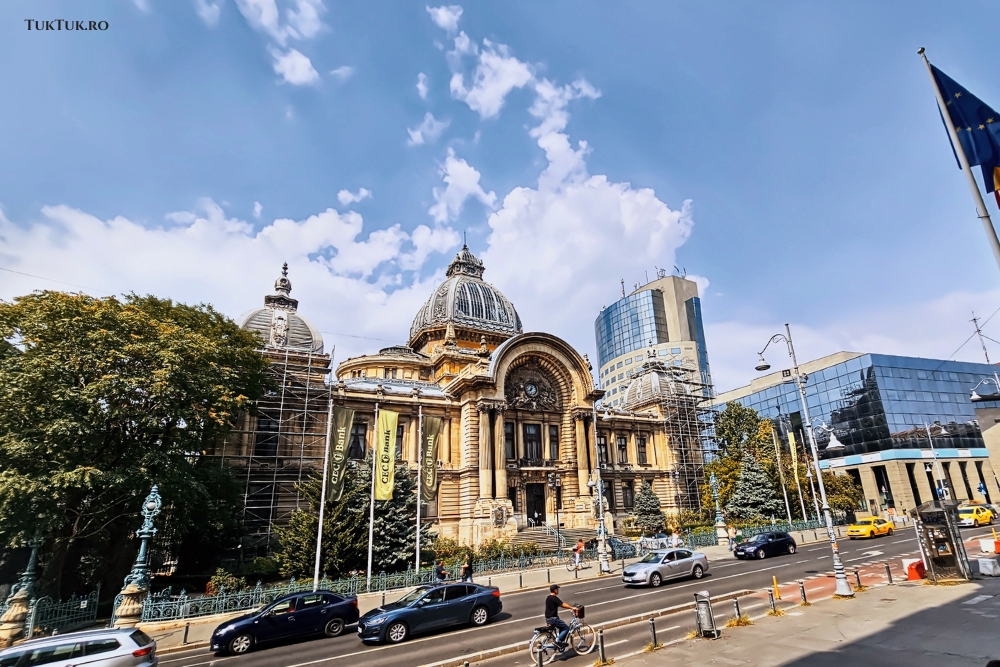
[{"x": 979, "y": 332}]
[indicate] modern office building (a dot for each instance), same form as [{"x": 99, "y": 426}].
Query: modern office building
[
  {"x": 905, "y": 428},
  {"x": 663, "y": 316}
]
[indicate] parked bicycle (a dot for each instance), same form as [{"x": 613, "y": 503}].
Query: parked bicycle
[
  {"x": 571, "y": 562},
  {"x": 581, "y": 638}
]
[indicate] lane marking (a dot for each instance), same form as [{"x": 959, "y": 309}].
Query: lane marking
[
  {"x": 798, "y": 562},
  {"x": 978, "y": 599},
  {"x": 620, "y": 641}
]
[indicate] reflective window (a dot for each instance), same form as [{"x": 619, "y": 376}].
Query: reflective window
[{"x": 629, "y": 325}]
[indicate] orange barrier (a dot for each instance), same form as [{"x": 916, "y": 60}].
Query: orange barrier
[{"x": 915, "y": 571}]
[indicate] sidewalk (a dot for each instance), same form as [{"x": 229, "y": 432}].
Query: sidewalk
[{"x": 906, "y": 625}]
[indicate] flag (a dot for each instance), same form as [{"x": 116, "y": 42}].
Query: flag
[
  {"x": 428, "y": 457},
  {"x": 340, "y": 435},
  {"x": 385, "y": 454},
  {"x": 977, "y": 126}
]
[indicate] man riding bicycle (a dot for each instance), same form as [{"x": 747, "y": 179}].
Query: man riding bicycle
[
  {"x": 578, "y": 550},
  {"x": 552, "y": 606}
]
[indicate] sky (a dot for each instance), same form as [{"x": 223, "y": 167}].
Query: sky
[{"x": 788, "y": 156}]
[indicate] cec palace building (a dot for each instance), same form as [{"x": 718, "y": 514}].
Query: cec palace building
[{"x": 519, "y": 445}]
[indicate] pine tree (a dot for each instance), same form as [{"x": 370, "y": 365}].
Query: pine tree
[
  {"x": 753, "y": 499},
  {"x": 648, "y": 515}
]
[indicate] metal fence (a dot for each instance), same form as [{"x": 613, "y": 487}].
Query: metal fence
[
  {"x": 48, "y": 616},
  {"x": 750, "y": 531}
]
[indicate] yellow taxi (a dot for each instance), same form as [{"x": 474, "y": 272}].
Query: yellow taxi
[
  {"x": 869, "y": 528},
  {"x": 974, "y": 515}
]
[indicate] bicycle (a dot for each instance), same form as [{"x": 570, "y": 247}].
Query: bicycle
[
  {"x": 581, "y": 638},
  {"x": 571, "y": 562}
]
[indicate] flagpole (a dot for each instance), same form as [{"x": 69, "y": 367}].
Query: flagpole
[
  {"x": 420, "y": 452},
  {"x": 371, "y": 504},
  {"x": 322, "y": 493},
  {"x": 984, "y": 216}
]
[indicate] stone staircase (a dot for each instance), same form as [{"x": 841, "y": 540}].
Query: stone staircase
[{"x": 547, "y": 541}]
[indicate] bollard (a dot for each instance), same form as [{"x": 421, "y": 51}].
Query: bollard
[
  {"x": 652, "y": 633},
  {"x": 383, "y": 598},
  {"x": 888, "y": 572},
  {"x": 777, "y": 591},
  {"x": 548, "y": 575},
  {"x": 465, "y": 664},
  {"x": 576, "y": 573},
  {"x": 857, "y": 577},
  {"x": 187, "y": 626},
  {"x": 815, "y": 536},
  {"x": 601, "y": 653},
  {"x": 623, "y": 564},
  {"x": 520, "y": 580},
  {"x": 538, "y": 659},
  {"x": 489, "y": 581},
  {"x": 736, "y": 606},
  {"x": 802, "y": 592},
  {"x": 770, "y": 599}
]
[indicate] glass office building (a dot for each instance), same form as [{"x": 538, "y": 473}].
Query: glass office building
[
  {"x": 630, "y": 324},
  {"x": 904, "y": 427}
]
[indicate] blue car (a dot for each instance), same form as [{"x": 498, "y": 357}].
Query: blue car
[
  {"x": 429, "y": 608},
  {"x": 290, "y": 617}
]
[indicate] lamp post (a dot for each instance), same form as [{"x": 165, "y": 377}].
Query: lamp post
[
  {"x": 947, "y": 491},
  {"x": 843, "y": 588},
  {"x": 720, "y": 521},
  {"x": 128, "y": 612},
  {"x": 555, "y": 483},
  {"x": 19, "y": 600},
  {"x": 602, "y": 534},
  {"x": 975, "y": 397}
]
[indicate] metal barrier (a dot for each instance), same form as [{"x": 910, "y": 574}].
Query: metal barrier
[{"x": 47, "y": 616}]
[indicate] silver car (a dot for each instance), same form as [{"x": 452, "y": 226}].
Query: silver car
[
  {"x": 122, "y": 647},
  {"x": 657, "y": 566}
]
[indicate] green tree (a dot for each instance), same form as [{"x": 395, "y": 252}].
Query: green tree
[
  {"x": 99, "y": 400},
  {"x": 648, "y": 515},
  {"x": 738, "y": 431},
  {"x": 754, "y": 498},
  {"x": 842, "y": 492}
]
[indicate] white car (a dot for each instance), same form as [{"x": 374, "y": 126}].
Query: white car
[{"x": 121, "y": 647}]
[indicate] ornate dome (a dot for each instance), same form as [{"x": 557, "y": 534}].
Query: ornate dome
[
  {"x": 466, "y": 300},
  {"x": 279, "y": 323},
  {"x": 655, "y": 380}
]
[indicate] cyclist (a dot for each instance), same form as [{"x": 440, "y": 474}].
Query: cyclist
[
  {"x": 578, "y": 550},
  {"x": 552, "y": 606}
]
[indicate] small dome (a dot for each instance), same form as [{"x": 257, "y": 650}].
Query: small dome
[
  {"x": 466, "y": 300},
  {"x": 655, "y": 380},
  {"x": 279, "y": 323}
]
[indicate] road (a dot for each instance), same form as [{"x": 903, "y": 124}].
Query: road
[{"x": 605, "y": 600}]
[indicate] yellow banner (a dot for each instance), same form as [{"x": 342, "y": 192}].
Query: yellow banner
[{"x": 385, "y": 454}]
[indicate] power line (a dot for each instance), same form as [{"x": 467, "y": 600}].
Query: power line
[{"x": 52, "y": 280}]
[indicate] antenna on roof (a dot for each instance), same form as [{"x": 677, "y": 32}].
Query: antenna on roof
[
  {"x": 979, "y": 332},
  {"x": 623, "y": 288},
  {"x": 465, "y": 239}
]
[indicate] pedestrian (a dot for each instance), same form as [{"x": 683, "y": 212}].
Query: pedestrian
[
  {"x": 440, "y": 574},
  {"x": 731, "y": 534},
  {"x": 675, "y": 540},
  {"x": 467, "y": 568},
  {"x": 578, "y": 551}
]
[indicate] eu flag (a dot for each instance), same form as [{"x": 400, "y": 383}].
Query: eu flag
[{"x": 977, "y": 126}]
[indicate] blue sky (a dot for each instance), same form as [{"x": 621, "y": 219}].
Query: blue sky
[{"x": 789, "y": 155}]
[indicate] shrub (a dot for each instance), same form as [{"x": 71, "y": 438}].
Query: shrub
[{"x": 221, "y": 579}]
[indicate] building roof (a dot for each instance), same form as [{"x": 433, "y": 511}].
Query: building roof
[
  {"x": 655, "y": 381},
  {"x": 467, "y": 301},
  {"x": 776, "y": 378},
  {"x": 279, "y": 324}
]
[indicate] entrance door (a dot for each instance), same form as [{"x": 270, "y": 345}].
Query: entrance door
[{"x": 535, "y": 503}]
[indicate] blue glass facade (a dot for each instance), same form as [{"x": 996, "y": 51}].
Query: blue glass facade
[
  {"x": 880, "y": 403},
  {"x": 693, "y": 306},
  {"x": 629, "y": 324}
]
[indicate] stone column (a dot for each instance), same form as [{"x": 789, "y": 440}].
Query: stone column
[
  {"x": 128, "y": 613},
  {"x": 500, "y": 453},
  {"x": 483, "y": 451},
  {"x": 583, "y": 439}
]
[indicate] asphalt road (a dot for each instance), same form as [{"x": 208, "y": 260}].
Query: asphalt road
[{"x": 606, "y": 599}]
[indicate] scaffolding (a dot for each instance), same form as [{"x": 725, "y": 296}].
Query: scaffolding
[{"x": 278, "y": 447}]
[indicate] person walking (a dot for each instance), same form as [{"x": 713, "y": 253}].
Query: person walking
[
  {"x": 552, "y": 606},
  {"x": 440, "y": 574},
  {"x": 467, "y": 568},
  {"x": 675, "y": 540},
  {"x": 731, "y": 534}
]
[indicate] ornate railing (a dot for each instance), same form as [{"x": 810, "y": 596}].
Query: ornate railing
[
  {"x": 557, "y": 535},
  {"x": 750, "y": 531},
  {"x": 48, "y": 616}
]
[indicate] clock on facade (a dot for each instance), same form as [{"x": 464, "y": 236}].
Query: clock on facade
[{"x": 530, "y": 389}]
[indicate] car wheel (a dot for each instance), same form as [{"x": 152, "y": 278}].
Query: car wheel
[
  {"x": 396, "y": 632},
  {"x": 871, "y": 534},
  {"x": 760, "y": 554},
  {"x": 975, "y": 523},
  {"x": 791, "y": 548},
  {"x": 240, "y": 644},
  {"x": 655, "y": 579},
  {"x": 889, "y": 532},
  {"x": 334, "y": 627},
  {"x": 480, "y": 615},
  {"x": 697, "y": 572}
]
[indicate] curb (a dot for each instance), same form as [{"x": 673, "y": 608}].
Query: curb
[
  {"x": 183, "y": 647},
  {"x": 618, "y": 622}
]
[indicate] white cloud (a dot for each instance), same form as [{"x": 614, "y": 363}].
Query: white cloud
[
  {"x": 462, "y": 182},
  {"x": 346, "y": 197},
  {"x": 497, "y": 74},
  {"x": 446, "y": 16},
  {"x": 301, "y": 18},
  {"x": 294, "y": 67},
  {"x": 208, "y": 11},
  {"x": 428, "y": 131},
  {"x": 342, "y": 73},
  {"x": 142, "y": 5},
  {"x": 257, "y": 208},
  {"x": 346, "y": 281},
  {"x": 422, "y": 85}
]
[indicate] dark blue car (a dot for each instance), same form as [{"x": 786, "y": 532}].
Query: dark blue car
[
  {"x": 429, "y": 608},
  {"x": 296, "y": 615}
]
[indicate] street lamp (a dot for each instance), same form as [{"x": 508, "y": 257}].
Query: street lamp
[
  {"x": 842, "y": 587},
  {"x": 555, "y": 483},
  {"x": 976, "y": 397},
  {"x": 602, "y": 534},
  {"x": 946, "y": 490}
]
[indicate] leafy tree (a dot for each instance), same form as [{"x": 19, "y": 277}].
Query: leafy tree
[
  {"x": 99, "y": 400},
  {"x": 738, "y": 431},
  {"x": 753, "y": 499},
  {"x": 842, "y": 493},
  {"x": 648, "y": 515}
]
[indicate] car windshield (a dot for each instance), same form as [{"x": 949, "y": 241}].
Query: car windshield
[
  {"x": 865, "y": 522},
  {"x": 652, "y": 558},
  {"x": 966, "y": 510},
  {"x": 759, "y": 538},
  {"x": 413, "y": 595}
]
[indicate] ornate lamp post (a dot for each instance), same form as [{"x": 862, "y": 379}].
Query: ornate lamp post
[
  {"x": 128, "y": 610},
  {"x": 842, "y": 587},
  {"x": 720, "y": 521},
  {"x": 555, "y": 483},
  {"x": 12, "y": 621},
  {"x": 602, "y": 533}
]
